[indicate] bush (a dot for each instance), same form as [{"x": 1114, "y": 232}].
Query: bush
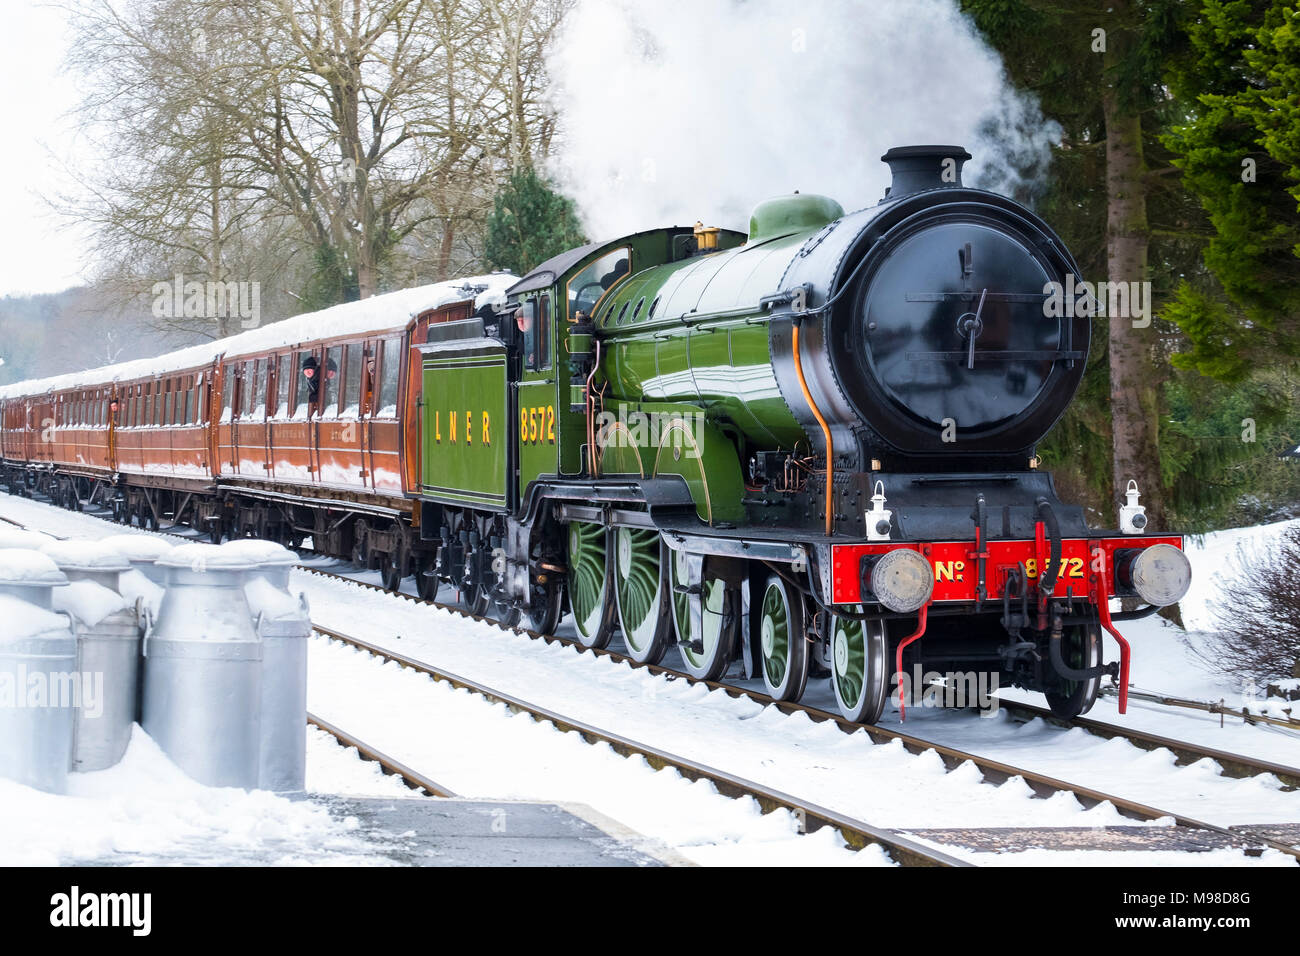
[{"x": 1259, "y": 615}]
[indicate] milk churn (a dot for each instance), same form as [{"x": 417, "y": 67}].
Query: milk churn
[
  {"x": 284, "y": 623},
  {"x": 108, "y": 631},
  {"x": 143, "y": 583},
  {"x": 143, "y": 551},
  {"x": 39, "y": 685},
  {"x": 203, "y": 668}
]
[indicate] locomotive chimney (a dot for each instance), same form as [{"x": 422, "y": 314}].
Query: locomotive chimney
[{"x": 923, "y": 167}]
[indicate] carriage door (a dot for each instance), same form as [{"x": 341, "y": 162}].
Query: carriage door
[{"x": 536, "y": 395}]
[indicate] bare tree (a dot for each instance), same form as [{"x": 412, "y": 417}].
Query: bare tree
[
  {"x": 358, "y": 140},
  {"x": 1259, "y": 614}
]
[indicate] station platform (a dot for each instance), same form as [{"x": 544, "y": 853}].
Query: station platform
[{"x": 428, "y": 831}]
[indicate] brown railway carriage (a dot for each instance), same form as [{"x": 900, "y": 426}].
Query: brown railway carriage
[{"x": 304, "y": 428}]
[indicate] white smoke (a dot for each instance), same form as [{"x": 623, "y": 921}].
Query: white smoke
[{"x": 677, "y": 110}]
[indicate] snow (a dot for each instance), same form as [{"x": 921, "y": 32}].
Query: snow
[
  {"x": 494, "y": 753},
  {"x": 23, "y": 620},
  {"x": 200, "y": 556},
  {"x": 376, "y": 314},
  {"x": 89, "y": 602},
  {"x": 25, "y": 567},
  {"x": 146, "y": 811},
  {"x": 260, "y": 552},
  {"x": 138, "y": 547},
  {"x": 274, "y": 604},
  {"x": 22, "y": 538},
  {"x": 481, "y": 749},
  {"x": 76, "y": 555},
  {"x": 136, "y": 588}
]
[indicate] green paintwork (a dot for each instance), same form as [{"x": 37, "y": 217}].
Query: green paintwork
[
  {"x": 463, "y": 380},
  {"x": 849, "y": 658},
  {"x": 774, "y": 634},
  {"x": 588, "y": 577},
  {"x": 639, "y": 581},
  {"x": 785, "y": 215},
  {"x": 652, "y": 439}
]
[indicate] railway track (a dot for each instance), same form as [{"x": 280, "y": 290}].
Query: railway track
[
  {"x": 413, "y": 779},
  {"x": 857, "y": 833},
  {"x": 1234, "y": 765}
]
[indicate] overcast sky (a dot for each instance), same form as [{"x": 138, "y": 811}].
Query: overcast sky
[{"x": 38, "y": 253}]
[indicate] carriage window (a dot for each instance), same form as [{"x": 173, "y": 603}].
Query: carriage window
[
  {"x": 284, "y": 386},
  {"x": 227, "y": 392},
  {"x": 352, "y": 372},
  {"x": 259, "y": 387},
  {"x": 330, "y": 388},
  {"x": 390, "y": 369},
  {"x": 200, "y": 395},
  {"x": 189, "y": 406},
  {"x": 245, "y": 386},
  {"x": 586, "y": 288},
  {"x": 309, "y": 383}
]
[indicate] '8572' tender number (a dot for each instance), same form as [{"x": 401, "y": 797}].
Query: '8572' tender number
[{"x": 537, "y": 424}]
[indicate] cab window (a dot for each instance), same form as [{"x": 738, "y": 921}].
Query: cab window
[
  {"x": 534, "y": 319},
  {"x": 586, "y": 288}
]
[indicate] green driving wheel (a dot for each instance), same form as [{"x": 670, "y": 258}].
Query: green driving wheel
[
  {"x": 704, "y": 618},
  {"x": 642, "y": 597},
  {"x": 782, "y": 640},
  {"x": 589, "y": 580},
  {"x": 860, "y": 668}
]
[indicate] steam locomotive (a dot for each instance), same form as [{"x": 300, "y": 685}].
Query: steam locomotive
[{"x": 799, "y": 452}]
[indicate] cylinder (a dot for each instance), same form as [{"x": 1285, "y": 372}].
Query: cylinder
[
  {"x": 40, "y": 687},
  {"x": 108, "y": 628},
  {"x": 88, "y": 561},
  {"x": 203, "y": 669},
  {"x": 143, "y": 551},
  {"x": 108, "y": 658},
  {"x": 284, "y": 624}
]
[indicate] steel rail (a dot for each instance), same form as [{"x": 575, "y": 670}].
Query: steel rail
[
  {"x": 857, "y": 833},
  {"x": 993, "y": 771},
  {"x": 1233, "y": 764},
  {"x": 815, "y": 816},
  {"x": 412, "y": 778}
]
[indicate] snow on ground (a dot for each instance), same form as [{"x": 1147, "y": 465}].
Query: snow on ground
[
  {"x": 481, "y": 749},
  {"x": 146, "y": 811},
  {"x": 818, "y": 761}
]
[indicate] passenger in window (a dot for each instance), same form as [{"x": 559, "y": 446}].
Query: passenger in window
[{"x": 309, "y": 369}]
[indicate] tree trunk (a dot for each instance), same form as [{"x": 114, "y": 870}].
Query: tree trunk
[{"x": 1134, "y": 381}]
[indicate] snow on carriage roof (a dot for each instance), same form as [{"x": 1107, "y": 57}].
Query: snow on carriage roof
[{"x": 374, "y": 314}]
